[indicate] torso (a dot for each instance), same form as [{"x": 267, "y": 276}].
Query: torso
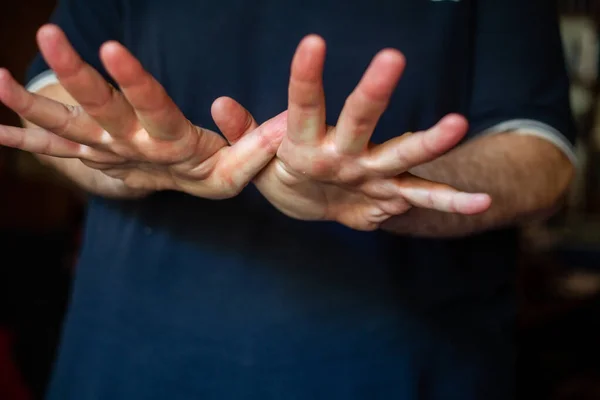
[{"x": 185, "y": 298}]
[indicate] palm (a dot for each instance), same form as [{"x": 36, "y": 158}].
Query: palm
[
  {"x": 132, "y": 141},
  {"x": 154, "y": 165},
  {"x": 361, "y": 207},
  {"x": 331, "y": 184},
  {"x": 335, "y": 173}
]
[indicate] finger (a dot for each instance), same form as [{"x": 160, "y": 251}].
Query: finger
[
  {"x": 99, "y": 99},
  {"x": 306, "y": 103},
  {"x": 41, "y": 141},
  {"x": 368, "y": 101},
  {"x": 400, "y": 154},
  {"x": 156, "y": 111},
  {"x": 232, "y": 119},
  {"x": 246, "y": 158},
  {"x": 66, "y": 121},
  {"x": 437, "y": 196}
]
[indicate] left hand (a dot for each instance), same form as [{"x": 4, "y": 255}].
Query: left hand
[
  {"x": 333, "y": 172},
  {"x": 131, "y": 142}
]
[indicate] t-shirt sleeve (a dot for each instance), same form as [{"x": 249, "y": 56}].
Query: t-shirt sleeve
[
  {"x": 520, "y": 81},
  {"x": 87, "y": 24}
]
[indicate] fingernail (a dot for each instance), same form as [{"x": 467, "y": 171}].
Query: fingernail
[
  {"x": 481, "y": 197},
  {"x": 471, "y": 202}
]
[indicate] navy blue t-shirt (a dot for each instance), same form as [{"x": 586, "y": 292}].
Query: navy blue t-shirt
[{"x": 182, "y": 298}]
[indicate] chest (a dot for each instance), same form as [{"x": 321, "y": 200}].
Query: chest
[{"x": 200, "y": 50}]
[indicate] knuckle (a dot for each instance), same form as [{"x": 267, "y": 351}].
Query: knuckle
[
  {"x": 361, "y": 123},
  {"x": 397, "y": 207},
  {"x": 229, "y": 190},
  {"x": 430, "y": 200},
  {"x": 266, "y": 144},
  {"x": 133, "y": 184},
  {"x": 428, "y": 146},
  {"x": 131, "y": 181},
  {"x": 403, "y": 160},
  {"x": 45, "y": 145},
  {"x": 72, "y": 113},
  {"x": 163, "y": 153},
  {"x": 97, "y": 165},
  {"x": 320, "y": 167},
  {"x": 351, "y": 101},
  {"x": 248, "y": 122},
  {"x": 269, "y": 140},
  {"x": 98, "y": 107},
  {"x": 226, "y": 185},
  {"x": 28, "y": 105},
  {"x": 351, "y": 176}
]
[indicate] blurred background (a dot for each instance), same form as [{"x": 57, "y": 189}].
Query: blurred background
[{"x": 559, "y": 278}]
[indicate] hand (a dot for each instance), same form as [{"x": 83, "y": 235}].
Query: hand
[
  {"x": 135, "y": 141},
  {"x": 334, "y": 173}
]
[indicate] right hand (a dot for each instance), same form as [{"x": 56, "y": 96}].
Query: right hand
[
  {"x": 132, "y": 142},
  {"x": 335, "y": 173}
]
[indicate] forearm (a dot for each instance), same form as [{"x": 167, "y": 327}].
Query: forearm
[{"x": 526, "y": 177}]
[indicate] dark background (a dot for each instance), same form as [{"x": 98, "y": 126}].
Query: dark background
[
  {"x": 40, "y": 218},
  {"x": 39, "y": 223}
]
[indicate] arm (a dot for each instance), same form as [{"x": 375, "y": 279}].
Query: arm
[
  {"x": 126, "y": 143},
  {"x": 526, "y": 176},
  {"x": 519, "y": 79}
]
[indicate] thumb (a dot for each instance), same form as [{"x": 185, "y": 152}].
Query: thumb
[
  {"x": 232, "y": 119},
  {"x": 252, "y": 146}
]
